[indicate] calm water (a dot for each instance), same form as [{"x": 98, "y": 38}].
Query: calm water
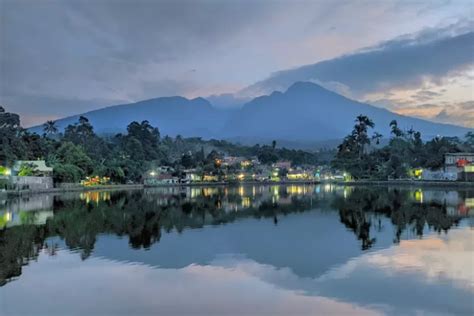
[{"x": 252, "y": 250}]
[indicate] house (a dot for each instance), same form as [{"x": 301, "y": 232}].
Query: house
[
  {"x": 38, "y": 166},
  {"x": 191, "y": 175},
  {"x": 455, "y": 162},
  {"x": 461, "y": 164},
  {"x": 160, "y": 179},
  {"x": 298, "y": 175},
  {"x": 457, "y": 167},
  {"x": 210, "y": 178},
  {"x": 231, "y": 161},
  {"x": 282, "y": 165}
]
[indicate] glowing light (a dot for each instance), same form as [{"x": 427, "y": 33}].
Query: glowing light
[
  {"x": 246, "y": 202},
  {"x": 419, "y": 196},
  {"x": 469, "y": 168}
]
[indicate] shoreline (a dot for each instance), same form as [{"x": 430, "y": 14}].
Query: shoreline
[
  {"x": 411, "y": 183},
  {"x": 118, "y": 187}
]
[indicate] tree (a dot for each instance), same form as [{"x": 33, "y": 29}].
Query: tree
[
  {"x": 27, "y": 170},
  {"x": 50, "y": 128},
  {"x": 67, "y": 173},
  {"x": 71, "y": 154},
  {"x": 187, "y": 161},
  {"x": 376, "y": 137},
  {"x": 360, "y": 132},
  {"x": 469, "y": 140},
  {"x": 395, "y": 130},
  {"x": 351, "y": 155}
]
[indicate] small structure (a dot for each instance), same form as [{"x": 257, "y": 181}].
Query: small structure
[
  {"x": 468, "y": 173},
  {"x": 160, "y": 179},
  {"x": 30, "y": 175},
  {"x": 39, "y": 167},
  {"x": 455, "y": 162},
  {"x": 438, "y": 175},
  {"x": 461, "y": 164},
  {"x": 210, "y": 178},
  {"x": 230, "y": 161},
  {"x": 297, "y": 174},
  {"x": 190, "y": 176},
  {"x": 282, "y": 165}
]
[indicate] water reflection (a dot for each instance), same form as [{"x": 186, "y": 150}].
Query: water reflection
[{"x": 309, "y": 249}]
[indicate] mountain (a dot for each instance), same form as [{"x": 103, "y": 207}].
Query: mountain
[
  {"x": 173, "y": 116},
  {"x": 309, "y": 112},
  {"x": 304, "y": 113}
]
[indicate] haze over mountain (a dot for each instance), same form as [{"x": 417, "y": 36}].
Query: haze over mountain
[{"x": 305, "y": 112}]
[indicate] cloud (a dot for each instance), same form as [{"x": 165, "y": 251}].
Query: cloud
[
  {"x": 405, "y": 62},
  {"x": 426, "y": 95},
  {"x": 459, "y": 113},
  {"x": 86, "y": 54}
]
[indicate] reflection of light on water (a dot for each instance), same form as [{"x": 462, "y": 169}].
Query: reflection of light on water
[
  {"x": 296, "y": 189},
  {"x": 209, "y": 191},
  {"x": 419, "y": 196},
  {"x": 246, "y": 202},
  {"x": 95, "y": 196},
  {"x": 276, "y": 190},
  {"x": 5, "y": 218},
  {"x": 327, "y": 188},
  {"x": 241, "y": 191}
]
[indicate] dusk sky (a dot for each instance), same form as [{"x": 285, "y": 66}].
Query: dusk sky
[{"x": 59, "y": 58}]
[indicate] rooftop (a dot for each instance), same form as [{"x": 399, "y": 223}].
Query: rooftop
[
  {"x": 459, "y": 154},
  {"x": 40, "y": 165}
]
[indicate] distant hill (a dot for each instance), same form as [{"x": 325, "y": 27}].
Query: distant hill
[
  {"x": 309, "y": 112},
  {"x": 304, "y": 114},
  {"x": 173, "y": 116}
]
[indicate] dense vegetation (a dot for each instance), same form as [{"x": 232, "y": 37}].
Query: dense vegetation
[
  {"x": 80, "y": 152},
  {"x": 361, "y": 155}
]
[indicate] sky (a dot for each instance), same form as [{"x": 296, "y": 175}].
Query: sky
[{"x": 64, "y": 57}]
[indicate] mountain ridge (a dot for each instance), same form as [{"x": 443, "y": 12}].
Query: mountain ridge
[{"x": 305, "y": 111}]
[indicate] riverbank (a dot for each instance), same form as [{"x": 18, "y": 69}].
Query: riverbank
[
  {"x": 112, "y": 187},
  {"x": 411, "y": 183},
  {"x": 116, "y": 187}
]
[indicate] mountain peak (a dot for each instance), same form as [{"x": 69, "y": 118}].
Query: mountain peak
[{"x": 305, "y": 86}]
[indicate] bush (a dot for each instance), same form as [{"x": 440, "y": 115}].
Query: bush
[{"x": 67, "y": 173}]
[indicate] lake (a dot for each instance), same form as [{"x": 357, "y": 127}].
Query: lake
[{"x": 241, "y": 250}]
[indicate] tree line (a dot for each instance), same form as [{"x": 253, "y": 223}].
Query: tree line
[
  {"x": 362, "y": 155},
  {"x": 79, "y": 152}
]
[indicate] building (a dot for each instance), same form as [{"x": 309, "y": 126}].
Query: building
[
  {"x": 282, "y": 165},
  {"x": 39, "y": 167},
  {"x": 455, "y": 162},
  {"x": 191, "y": 175},
  {"x": 438, "y": 175},
  {"x": 298, "y": 175},
  {"x": 160, "y": 179},
  {"x": 461, "y": 164},
  {"x": 468, "y": 173},
  {"x": 230, "y": 161}
]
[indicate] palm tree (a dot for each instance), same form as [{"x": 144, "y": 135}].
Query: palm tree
[
  {"x": 50, "y": 127},
  {"x": 376, "y": 137}
]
